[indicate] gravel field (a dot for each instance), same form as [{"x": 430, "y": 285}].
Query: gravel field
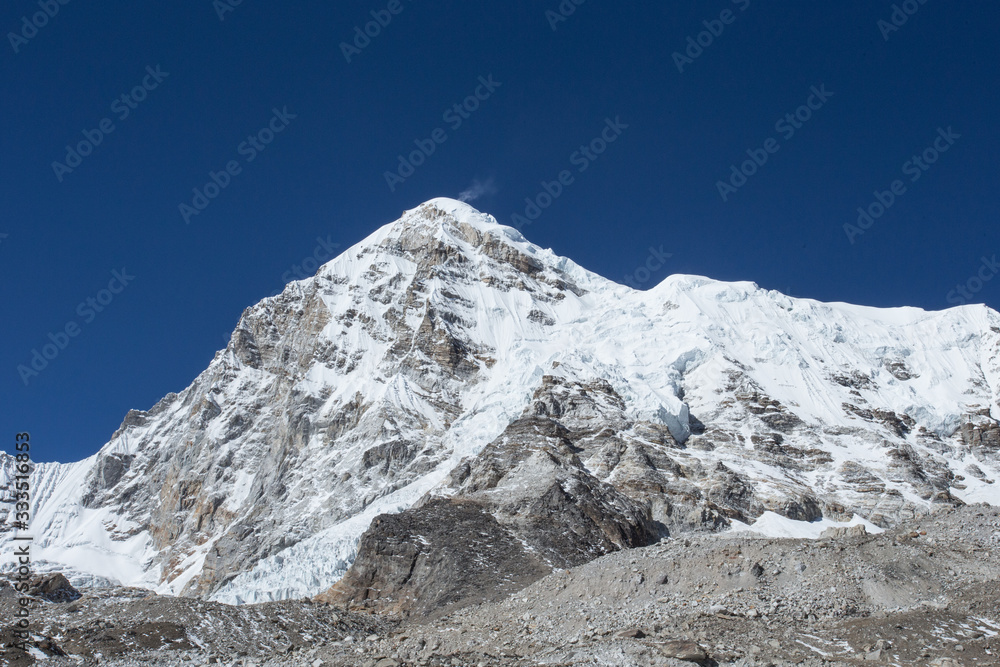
[{"x": 923, "y": 594}]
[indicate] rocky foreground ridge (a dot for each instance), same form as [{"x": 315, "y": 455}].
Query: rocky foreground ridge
[{"x": 924, "y": 593}]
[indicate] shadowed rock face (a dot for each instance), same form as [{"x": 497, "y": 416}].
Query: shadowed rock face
[
  {"x": 534, "y": 482},
  {"x": 54, "y": 588},
  {"x": 108, "y": 471},
  {"x": 525, "y": 505},
  {"x": 430, "y": 560},
  {"x": 567, "y": 482},
  {"x": 572, "y": 479}
]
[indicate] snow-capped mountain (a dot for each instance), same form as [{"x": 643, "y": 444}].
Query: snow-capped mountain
[{"x": 401, "y": 373}]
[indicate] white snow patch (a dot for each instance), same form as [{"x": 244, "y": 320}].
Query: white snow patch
[{"x": 770, "y": 524}]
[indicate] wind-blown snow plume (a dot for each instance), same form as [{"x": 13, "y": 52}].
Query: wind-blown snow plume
[{"x": 477, "y": 190}]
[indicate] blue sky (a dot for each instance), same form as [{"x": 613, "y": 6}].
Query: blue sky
[{"x": 739, "y": 137}]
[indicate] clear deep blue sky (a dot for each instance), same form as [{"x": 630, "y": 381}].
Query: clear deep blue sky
[{"x": 323, "y": 176}]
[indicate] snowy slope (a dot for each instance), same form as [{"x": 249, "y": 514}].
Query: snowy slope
[{"x": 357, "y": 391}]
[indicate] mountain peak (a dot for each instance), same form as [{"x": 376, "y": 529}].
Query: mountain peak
[
  {"x": 460, "y": 210},
  {"x": 446, "y": 346},
  {"x": 455, "y": 219},
  {"x": 445, "y": 236}
]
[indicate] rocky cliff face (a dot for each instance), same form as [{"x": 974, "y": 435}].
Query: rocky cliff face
[{"x": 447, "y": 369}]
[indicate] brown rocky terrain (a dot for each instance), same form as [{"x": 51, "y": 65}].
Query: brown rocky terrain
[{"x": 924, "y": 594}]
